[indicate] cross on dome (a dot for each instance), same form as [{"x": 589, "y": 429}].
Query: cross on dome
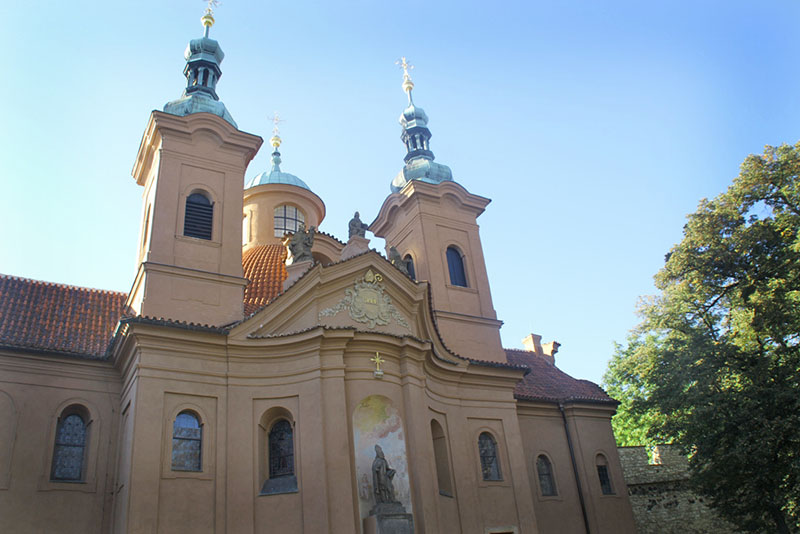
[{"x": 408, "y": 85}]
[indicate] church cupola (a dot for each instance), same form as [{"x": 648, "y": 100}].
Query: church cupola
[
  {"x": 202, "y": 71},
  {"x": 419, "y": 164},
  {"x": 277, "y": 203}
]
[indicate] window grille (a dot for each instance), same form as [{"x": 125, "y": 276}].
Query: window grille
[
  {"x": 199, "y": 216},
  {"x": 455, "y": 264},
  {"x": 604, "y": 475},
  {"x": 490, "y": 466},
  {"x": 547, "y": 481},
  {"x": 281, "y": 450},
  {"x": 287, "y": 220},
  {"x": 187, "y": 440},
  {"x": 70, "y": 446}
]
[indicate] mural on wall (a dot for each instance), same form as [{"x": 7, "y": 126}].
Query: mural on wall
[{"x": 377, "y": 422}]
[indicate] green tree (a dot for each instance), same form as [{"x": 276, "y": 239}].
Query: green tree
[{"x": 715, "y": 364}]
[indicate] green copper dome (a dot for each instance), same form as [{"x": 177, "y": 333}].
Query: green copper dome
[{"x": 276, "y": 176}]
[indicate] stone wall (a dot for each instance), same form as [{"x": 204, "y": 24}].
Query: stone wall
[{"x": 660, "y": 495}]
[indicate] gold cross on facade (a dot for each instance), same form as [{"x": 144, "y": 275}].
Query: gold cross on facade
[
  {"x": 378, "y": 361},
  {"x": 211, "y": 4}
]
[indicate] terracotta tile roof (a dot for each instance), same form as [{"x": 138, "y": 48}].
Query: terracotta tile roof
[
  {"x": 57, "y": 318},
  {"x": 264, "y": 266},
  {"x": 547, "y": 382}
]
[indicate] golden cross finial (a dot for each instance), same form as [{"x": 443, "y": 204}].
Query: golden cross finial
[
  {"x": 378, "y": 361},
  {"x": 408, "y": 85},
  {"x": 405, "y": 65},
  {"x": 276, "y": 119},
  {"x": 208, "y": 18}
]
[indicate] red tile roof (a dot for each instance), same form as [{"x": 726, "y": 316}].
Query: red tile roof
[
  {"x": 547, "y": 382},
  {"x": 57, "y": 318},
  {"x": 265, "y": 267}
]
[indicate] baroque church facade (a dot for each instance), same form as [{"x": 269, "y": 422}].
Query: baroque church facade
[{"x": 263, "y": 376}]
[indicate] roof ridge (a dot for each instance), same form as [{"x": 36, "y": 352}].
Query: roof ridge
[{"x": 60, "y": 284}]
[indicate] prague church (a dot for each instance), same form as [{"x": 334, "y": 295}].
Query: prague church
[{"x": 265, "y": 376}]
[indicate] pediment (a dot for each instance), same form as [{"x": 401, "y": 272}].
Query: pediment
[{"x": 365, "y": 293}]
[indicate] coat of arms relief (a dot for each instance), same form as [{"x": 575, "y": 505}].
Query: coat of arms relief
[{"x": 367, "y": 302}]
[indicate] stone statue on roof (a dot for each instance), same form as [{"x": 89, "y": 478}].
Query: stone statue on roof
[
  {"x": 300, "y": 244},
  {"x": 357, "y": 227},
  {"x": 397, "y": 260}
]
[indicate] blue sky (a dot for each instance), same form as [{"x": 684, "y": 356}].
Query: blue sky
[{"x": 594, "y": 127}]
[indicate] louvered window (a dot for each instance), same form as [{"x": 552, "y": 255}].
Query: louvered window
[
  {"x": 70, "y": 446},
  {"x": 455, "y": 264},
  {"x": 199, "y": 218}
]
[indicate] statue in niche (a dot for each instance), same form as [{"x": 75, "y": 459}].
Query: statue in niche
[
  {"x": 357, "y": 227},
  {"x": 363, "y": 488},
  {"x": 397, "y": 260},
  {"x": 300, "y": 244},
  {"x": 382, "y": 476}
]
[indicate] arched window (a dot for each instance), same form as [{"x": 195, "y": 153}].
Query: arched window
[
  {"x": 455, "y": 264},
  {"x": 442, "y": 462},
  {"x": 199, "y": 216},
  {"x": 410, "y": 266},
  {"x": 281, "y": 450},
  {"x": 547, "y": 482},
  {"x": 287, "y": 220},
  {"x": 490, "y": 464},
  {"x": 187, "y": 442},
  {"x": 69, "y": 451},
  {"x": 604, "y": 475}
]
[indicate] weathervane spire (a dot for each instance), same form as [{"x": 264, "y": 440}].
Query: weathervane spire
[{"x": 408, "y": 85}]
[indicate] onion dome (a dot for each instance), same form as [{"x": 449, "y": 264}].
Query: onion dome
[
  {"x": 419, "y": 164},
  {"x": 202, "y": 71},
  {"x": 276, "y": 175}
]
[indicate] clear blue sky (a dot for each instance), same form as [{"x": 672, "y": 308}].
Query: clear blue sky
[{"x": 594, "y": 127}]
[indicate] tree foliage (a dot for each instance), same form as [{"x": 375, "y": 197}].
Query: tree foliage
[{"x": 715, "y": 364}]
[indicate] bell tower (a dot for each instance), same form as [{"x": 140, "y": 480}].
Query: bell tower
[
  {"x": 191, "y": 164},
  {"x": 432, "y": 221}
]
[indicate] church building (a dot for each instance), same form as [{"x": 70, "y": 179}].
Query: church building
[{"x": 265, "y": 376}]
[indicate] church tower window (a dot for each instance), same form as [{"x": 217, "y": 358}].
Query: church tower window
[
  {"x": 69, "y": 451},
  {"x": 490, "y": 465},
  {"x": 547, "y": 483},
  {"x": 410, "y": 266},
  {"x": 455, "y": 265},
  {"x": 199, "y": 216},
  {"x": 287, "y": 220},
  {"x": 187, "y": 440}
]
